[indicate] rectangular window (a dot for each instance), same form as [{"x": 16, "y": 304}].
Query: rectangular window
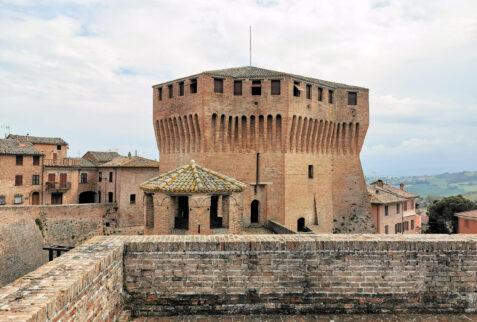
[
  {"x": 19, "y": 160},
  {"x": 132, "y": 198},
  {"x": 110, "y": 177},
  {"x": 405, "y": 206},
  {"x": 238, "y": 88},
  {"x": 100, "y": 176},
  {"x": 296, "y": 89},
  {"x": 412, "y": 224},
  {"x": 84, "y": 178},
  {"x": 320, "y": 94},
  {"x": 18, "y": 199},
  {"x": 110, "y": 197},
  {"x": 386, "y": 210},
  {"x": 181, "y": 89},
  {"x": 406, "y": 225},
  {"x": 193, "y": 86},
  {"x": 35, "y": 179},
  {"x": 18, "y": 180},
  {"x": 256, "y": 87},
  {"x": 398, "y": 208},
  {"x": 352, "y": 98},
  {"x": 308, "y": 91},
  {"x": 58, "y": 147},
  {"x": 36, "y": 160},
  {"x": 218, "y": 85},
  {"x": 99, "y": 196},
  {"x": 2, "y": 200},
  {"x": 330, "y": 96},
  {"x": 386, "y": 229},
  {"x": 171, "y": 90},
  {"x": 275, "y": 90},
  {"x": 159, "y": 93},
  {"x": 310, "y": 171}
]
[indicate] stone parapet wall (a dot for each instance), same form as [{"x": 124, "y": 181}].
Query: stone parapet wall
[
  {"x": 278, "y": 228},
  {"x": 83, "y": 285},
  {"x": 250, "y": 274}
]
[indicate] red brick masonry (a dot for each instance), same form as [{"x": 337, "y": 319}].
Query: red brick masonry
[{"x": 240, "y": 274}]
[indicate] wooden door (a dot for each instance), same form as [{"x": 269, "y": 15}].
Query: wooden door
[
  {"x": 56, "y": 198},
  {"x": 35, "y": 198},
  {"x": 51, "y": 177},
  {"x": 62, "y": 180}
]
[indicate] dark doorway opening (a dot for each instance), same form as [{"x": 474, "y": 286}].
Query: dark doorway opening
[
  {"x": 254, "y": 211},
  {"x": 181, "y": 221},
  {"x": 35, "y": 198},
  {"x": 110, "y": 197},
  {"x": 149, "y": 211},
  {"x": 300, "y": 224},
  {"x": 57, "y": 198},
  {"x": 215, "y": 220},
  {"x": 87, "y": 197}
]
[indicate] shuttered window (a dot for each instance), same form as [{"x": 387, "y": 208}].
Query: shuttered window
[
  {"x": 308, "y": 91},
  {"x": 352, "y": 98},
  {"x": 275, "y": 90},
  {"x": 320, "y": 94},
  {"x": 18, "y": 180},
  {"x": 218, "y": 85},
  {"x": 237, "y": 88}
]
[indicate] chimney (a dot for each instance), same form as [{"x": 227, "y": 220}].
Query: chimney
[
  {"x": 129, "y": 155},
  {"x": 380, "y": 183},
  {"x": 401, "y": 186}
]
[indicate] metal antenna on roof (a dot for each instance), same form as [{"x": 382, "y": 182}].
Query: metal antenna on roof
[{"x": 250, "y": 45}]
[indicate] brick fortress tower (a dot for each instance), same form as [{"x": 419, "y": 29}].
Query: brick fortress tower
[{"x": 294, "y": 140}]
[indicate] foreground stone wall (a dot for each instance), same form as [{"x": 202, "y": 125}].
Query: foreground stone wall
[{"x": 242, "y": 274}]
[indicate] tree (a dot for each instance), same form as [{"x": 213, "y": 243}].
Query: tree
[{"x": 441, "y": 214}]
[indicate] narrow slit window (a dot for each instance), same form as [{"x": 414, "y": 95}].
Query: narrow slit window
[
  {"x": 181, "y": 89},
  {"x": 171, "y": 89},
  {"x": 320, "y": 94},
  {"x": 238, "y": 88},
  {"x": 308, "y": 91},
  {"x": 256, "y": 87},
  {"x": 352, "y": 98},
  {"x": 310, "y": 171},
  {"x": 159, "y": 93},
  {"x": 193, "y": 86},
  {"x": 218, "y": 85},
  {"x": 275, "y": 90},
  {"x": 330, "y": 96},
  {"x": 296, "y": 89}
]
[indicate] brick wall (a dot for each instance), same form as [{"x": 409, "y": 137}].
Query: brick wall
[{"x": 83, "y": 285}]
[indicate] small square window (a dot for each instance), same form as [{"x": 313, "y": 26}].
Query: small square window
[
  {"x": 256, "y": 87},
  {"x": 159, "y": 93},
  {"x": 218, "y": 85},
  {"x": 171, "y": 90},
  {"x": 308, "y": 91},
  {"x": 2, "y": 200},
  {"x": 352, "y": 98},
  {"x": 275, "y": 90},
  {"x": 18, "y": 180},
  {"x": 132, "y": 198},
  {"x": 18, "y": 199},
  {"x": 238, "y": 88},
  {"x": 35, "y": 180},
  {"x": 193, "y": 86},
  {"x": 181, "y": 89},
  {"x": 296, "y": 89},
  {"x": 310, "y": 171},
  {"x": 36, "y": 160},
  {"x": 58, "y": 147},
  {"x": 19, "y": 160},
  {"x": 330, "y": 96},
  {"x": 320, "y": 94}
]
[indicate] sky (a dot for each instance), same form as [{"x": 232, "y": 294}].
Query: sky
[{"x": 83, "y": 69}]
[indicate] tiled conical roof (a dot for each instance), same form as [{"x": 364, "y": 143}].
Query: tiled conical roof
[{"x": 192, "y": 178}]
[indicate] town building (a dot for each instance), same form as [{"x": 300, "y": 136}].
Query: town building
[
  {"x": 293, "y": 140},
  {"x": 193, "y": 200},
  {"x": 52, "y": 148},
  {"x": 393, "y": 209},
  {"x": 467, "y": 222}
]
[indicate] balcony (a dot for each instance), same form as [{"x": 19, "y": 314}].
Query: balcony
[{"x": 58, "y": 186}]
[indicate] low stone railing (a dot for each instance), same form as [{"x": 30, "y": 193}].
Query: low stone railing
[{"x": 250, "y": 274}]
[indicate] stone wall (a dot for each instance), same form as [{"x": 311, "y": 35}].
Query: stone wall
[
  {"x": 260, "y": 274},
  {"x": 278, "y": 228}
]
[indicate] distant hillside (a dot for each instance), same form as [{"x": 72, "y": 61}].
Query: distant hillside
[{"x": 445, "y": 184}]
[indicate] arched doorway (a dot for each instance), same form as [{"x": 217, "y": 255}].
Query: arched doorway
[
  {"x": 87, "y": 197},
  {"x": 300, "y": 224},
  {"x": 254, "y": 211},
  {"x": 35, "y": 198}
]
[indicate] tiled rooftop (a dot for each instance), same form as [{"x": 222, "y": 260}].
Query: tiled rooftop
[
  {"x": 381, "y": 196},
  {"x": 38, "y": 139},
  {"x": 103, "y": 156},
  {"x": 133, "y": 162},
  {"x": 10, "y": 146},
  {"x": 471, "y": 214},
  {"x": 192, "y": 178},
  {"x": 396, "y": 191}
]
